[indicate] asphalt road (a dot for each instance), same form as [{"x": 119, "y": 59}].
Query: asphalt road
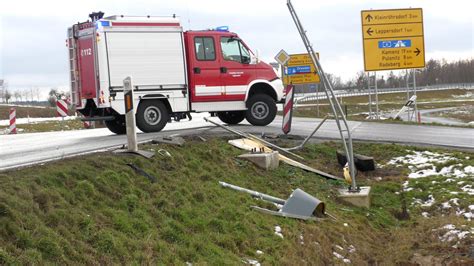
[
  {"x": 427, "y": 118},
  {"x": 36, "y": 148}
]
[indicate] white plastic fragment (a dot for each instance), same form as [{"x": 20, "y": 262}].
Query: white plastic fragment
[{"x": 278, "y": 231}]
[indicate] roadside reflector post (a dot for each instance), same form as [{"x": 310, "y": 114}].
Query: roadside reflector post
[
  {"x": 61, "y": 108},
  {"x": 288, "y": 108},
  {"x": 12, "y": 129},
  {"x": 130, "y": 115},
  {"x": 130, "y": 123}
]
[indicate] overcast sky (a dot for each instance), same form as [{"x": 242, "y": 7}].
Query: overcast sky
[{"x": 33, "y": 32}]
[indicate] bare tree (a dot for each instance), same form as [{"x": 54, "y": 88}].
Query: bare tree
[
  {"x": 17, "y": 96},
  {"x": 55, "y": 94},
  {"x": 7, "y": 95},
  {"x": 37, "y": 94},
  {"x": 24, "y": 95}
]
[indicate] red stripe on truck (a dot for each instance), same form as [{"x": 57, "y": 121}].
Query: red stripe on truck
[{"x": 140, "y": 24}]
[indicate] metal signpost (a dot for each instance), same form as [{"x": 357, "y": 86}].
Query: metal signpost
[
  {"x": 392, "y": 39},
  {"x": 339, "y": 116},
  {"x": 411, "y": 83},
  {"x": 372, "y": 84}
]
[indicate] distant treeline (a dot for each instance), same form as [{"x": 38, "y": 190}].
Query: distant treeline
[{"x": 436, "y": 72}]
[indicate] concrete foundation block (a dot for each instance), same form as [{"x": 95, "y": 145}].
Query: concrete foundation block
[
  {"x": 267, "y": 160},
  {"x": 359, "y": 199}
]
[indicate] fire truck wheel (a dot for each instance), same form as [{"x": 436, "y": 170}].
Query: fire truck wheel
[
  {"x": 117, "y": 125},
  {"x": 152, "y": 116},
  {"x": 261, "y": 110},
  {"x": 231, "y": 117}
]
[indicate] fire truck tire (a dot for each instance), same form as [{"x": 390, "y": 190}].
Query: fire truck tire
[
  {"x": 261, "y": 110},
  {"x": 117, "y": 125},
  {"x": 152, "y": 116},
  {"x": 231, "y": 117}
]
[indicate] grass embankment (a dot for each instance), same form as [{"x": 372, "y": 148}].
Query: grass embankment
[
  {"x": 43, "y": 126},
  {"x": 94, "y": 209},
  {"x": 390, "y": 102},
  {"x": 25, "y": 111},
  {"x": 49, "y": 126}
]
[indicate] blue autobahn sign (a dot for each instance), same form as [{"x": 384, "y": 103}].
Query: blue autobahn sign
[
  {"x": 298, "y": 70},
  {"x": 394, "y": 44}
]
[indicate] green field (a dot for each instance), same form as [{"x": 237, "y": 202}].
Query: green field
[
  {"x": 391, "y": 102},
  {"x": 94, "y": 209}
]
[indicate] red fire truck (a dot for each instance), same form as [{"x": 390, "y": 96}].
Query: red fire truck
[{"x": 174, "y": 73}]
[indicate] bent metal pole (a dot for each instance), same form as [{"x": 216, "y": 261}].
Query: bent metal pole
[
  {"x": 335, "y": 106},
  {"x": 130, "y": 115}
]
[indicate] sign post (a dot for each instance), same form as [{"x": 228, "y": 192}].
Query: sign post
[
  {"x": 132, "y": 144},
  {"x": 288, "y": 108},
  {"x": 282, "y": 58},
  {"x": 12, "y": 129},
  {"x": 61, "y": 108}
]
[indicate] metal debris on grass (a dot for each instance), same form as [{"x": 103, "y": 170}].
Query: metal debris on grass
[
  {"x": 142, "y": 172},
  {"x": 300, "y": 205},
  {"x": 164, "y": 153},
  {"x": 174, "y": 140},
  {"x": 249, "y": 144}
]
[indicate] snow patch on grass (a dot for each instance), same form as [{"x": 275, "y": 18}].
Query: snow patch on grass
[
  {"x": 424, "y": 163},
  {"x": 450, "y": 233},
  {"x": 34, "y": 120},
  {"x": 421, "y": 159},
  {"x": 437, "y": 175}
]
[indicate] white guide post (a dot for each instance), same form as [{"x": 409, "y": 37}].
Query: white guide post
[{"x": 130, "y": 115}]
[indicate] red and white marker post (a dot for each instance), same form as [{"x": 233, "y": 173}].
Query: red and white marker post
[
  {"x": 61, "y": 108},
  {"x": 288, "y": 108},
  {"x": 87, "y": 124},
  {"x": 12, "y": 121}
]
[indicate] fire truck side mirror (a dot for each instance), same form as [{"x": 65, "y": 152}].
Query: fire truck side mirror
[{"x": 255, "y": 57}]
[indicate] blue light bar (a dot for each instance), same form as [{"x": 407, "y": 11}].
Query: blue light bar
[
  {"x": 105, "y": 23},
  {"x": 222, "y": 28}
]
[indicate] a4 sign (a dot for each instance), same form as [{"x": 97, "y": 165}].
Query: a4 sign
[
  {"x": 300, "y": 69},
  {"x": 393, "y": 39}
]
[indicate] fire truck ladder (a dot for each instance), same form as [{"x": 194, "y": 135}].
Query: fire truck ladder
[
  {"x": 335, "y": 106},
  {"x": 71, "y": 43}
]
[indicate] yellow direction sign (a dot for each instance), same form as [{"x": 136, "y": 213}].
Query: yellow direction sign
[
  {"x": 393, "y": 39},
  {"x": 300, "y": 70}
]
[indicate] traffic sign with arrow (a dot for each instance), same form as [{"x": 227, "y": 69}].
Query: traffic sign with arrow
[
  {"x": 370, "y": 31},
  {"x": 368, "y": 18},
  {"x": 393, "y": 39},
  {"x": 417, "y": 52}
]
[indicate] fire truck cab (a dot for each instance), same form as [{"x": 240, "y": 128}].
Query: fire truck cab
[{"x": 174, "y": 73}]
